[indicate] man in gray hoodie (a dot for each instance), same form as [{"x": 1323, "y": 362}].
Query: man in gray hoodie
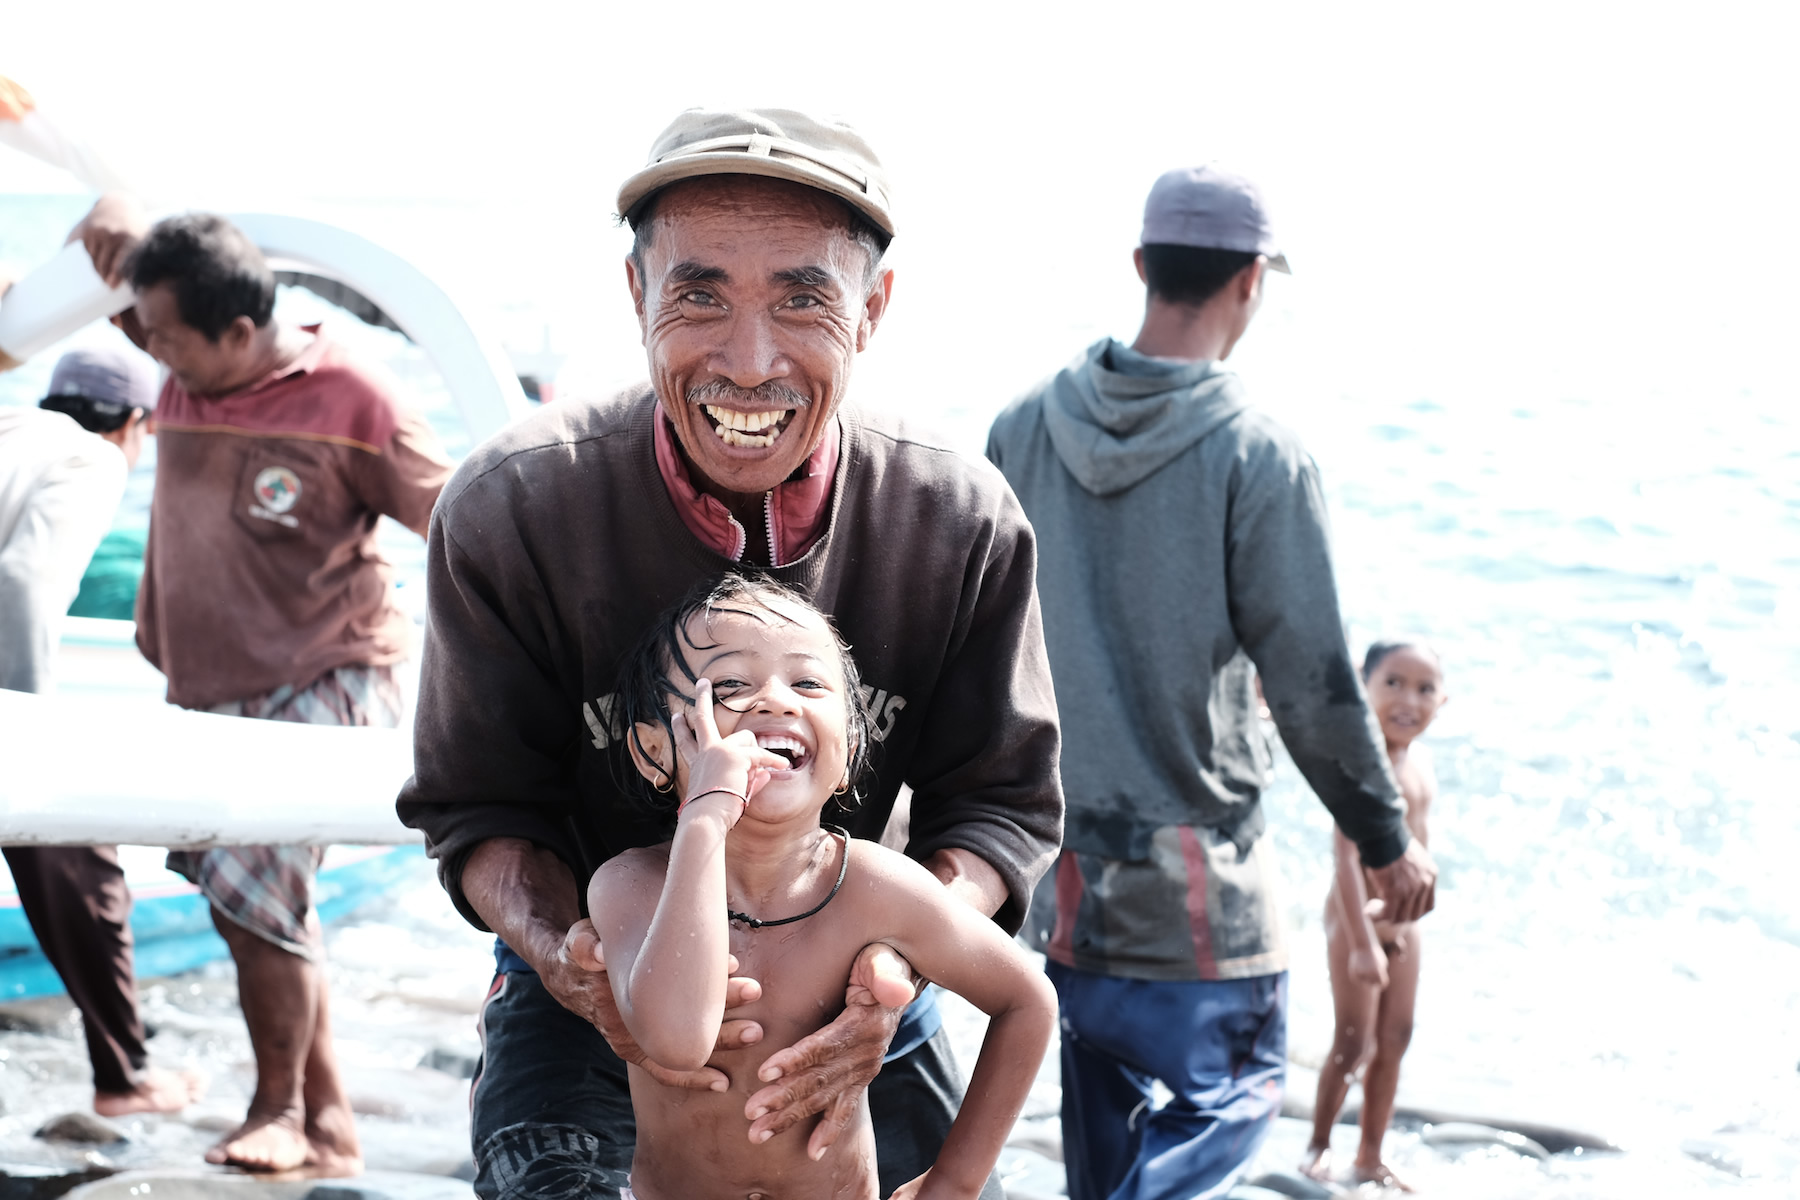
[{"x": 1183, "y": 551}]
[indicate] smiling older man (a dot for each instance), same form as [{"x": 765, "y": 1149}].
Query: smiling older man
[{"x": 757, "y": 276}]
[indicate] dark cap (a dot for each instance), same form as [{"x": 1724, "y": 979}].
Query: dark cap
[
  {"x": 100, "y": 387},
  {"x": 778, "y": 143},
  {"x": 1210, "y": 208}
]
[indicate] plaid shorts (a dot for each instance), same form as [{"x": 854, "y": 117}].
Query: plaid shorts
[{"x": 268, "y": 889}]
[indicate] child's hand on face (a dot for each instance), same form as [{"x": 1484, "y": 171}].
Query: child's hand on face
[
  {"x": 720, "y": 769},
  {"x": 1369, "y": 967}
]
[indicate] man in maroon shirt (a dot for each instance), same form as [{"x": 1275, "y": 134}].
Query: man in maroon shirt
[{"x": 264, "y": 595}]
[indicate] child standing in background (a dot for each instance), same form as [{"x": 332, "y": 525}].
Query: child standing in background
[{"x": 1375, "y": 963}]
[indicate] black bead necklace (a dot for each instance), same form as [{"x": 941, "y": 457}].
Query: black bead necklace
[{"x": 843, "y": 870}]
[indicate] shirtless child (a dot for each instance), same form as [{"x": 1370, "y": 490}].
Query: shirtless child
[
  {"x": 1374, "y": 963},
  {"x": 743, "y": 706}
]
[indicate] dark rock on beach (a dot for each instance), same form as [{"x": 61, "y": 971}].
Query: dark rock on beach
[
  {"x": 45, "y": 1183},
  {"x": 81, "y": 1127}
]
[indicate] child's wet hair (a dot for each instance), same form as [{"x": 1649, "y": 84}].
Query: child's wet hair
[
  {"x": 1378, "y": 652},
  {"x": 656, "y": 668}
]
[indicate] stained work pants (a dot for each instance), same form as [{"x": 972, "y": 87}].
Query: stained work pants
[{"x": 80, "y": 910}]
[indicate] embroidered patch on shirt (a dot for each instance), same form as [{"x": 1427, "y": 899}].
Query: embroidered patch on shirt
[{"x": 276, "y": 489}]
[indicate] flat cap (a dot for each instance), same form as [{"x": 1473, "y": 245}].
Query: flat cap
[{"x": 779, "y": 143}]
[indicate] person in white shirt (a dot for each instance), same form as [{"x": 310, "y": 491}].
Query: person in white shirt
[{"x": 62, "y": 472}]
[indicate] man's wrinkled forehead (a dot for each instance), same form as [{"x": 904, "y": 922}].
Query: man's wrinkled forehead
[{"x": 728, "y": 211}]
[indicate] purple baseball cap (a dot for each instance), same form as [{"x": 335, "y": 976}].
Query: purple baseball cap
[
  {"x": 1210, "y": 208},
  {"x": 98, "y": 387}
]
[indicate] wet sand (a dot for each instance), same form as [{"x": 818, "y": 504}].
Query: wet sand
[{"x": 408, "y": 977}]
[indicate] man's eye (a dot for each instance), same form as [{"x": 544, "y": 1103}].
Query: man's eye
[
  {"x": 696, "y": 296},
  {"x": 804, "y": 302}
]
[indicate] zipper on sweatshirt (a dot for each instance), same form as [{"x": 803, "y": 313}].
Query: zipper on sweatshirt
[
  {"x": 740, "y": 539},
  {"x": 769, "y": 524},
  {"x": 741, "y": 536}
]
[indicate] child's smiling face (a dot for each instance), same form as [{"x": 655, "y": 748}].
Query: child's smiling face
[
  {"x": 776, "y": 670},
  {"x": 1406, "y": 689}
]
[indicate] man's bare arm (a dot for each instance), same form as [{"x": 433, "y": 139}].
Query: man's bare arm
[
  {"x": 970, "y": 879},
  {"x": 527, "y": 895},
  {"x": 110, "y": 232}
]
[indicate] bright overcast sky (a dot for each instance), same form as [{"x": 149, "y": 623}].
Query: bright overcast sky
[{"x": 1544, "y": 166}]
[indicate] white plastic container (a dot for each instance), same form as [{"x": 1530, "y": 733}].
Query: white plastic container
[{"x": 54, "y": 301}]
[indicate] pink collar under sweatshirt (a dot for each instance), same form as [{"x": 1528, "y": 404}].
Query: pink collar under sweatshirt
[{"x": 794, "y": 512}]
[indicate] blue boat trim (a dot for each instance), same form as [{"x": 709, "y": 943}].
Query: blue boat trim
[{"x": 174, "y": 932}]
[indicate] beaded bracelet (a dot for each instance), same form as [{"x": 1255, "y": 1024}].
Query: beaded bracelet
[{"x": 738, "y": 796}]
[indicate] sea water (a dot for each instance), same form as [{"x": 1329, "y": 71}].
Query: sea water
[{"x": 1605, "y": 550}]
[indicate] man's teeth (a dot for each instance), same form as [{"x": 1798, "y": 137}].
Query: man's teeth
[
  {"x": 745, "y": 428},
  {"x": 748, "y": 422}
]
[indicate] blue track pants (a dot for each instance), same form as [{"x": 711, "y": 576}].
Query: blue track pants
[{"x": 1219, "y": 1046}]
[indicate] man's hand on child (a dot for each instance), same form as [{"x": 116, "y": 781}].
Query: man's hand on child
[
  {"x": 580, "y": 985},
  {"x": 1407, "y": 886},
  {"x": 828, "y": 1071}
]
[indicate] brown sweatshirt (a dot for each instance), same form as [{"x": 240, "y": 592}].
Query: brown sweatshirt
[
  {"x": 262, "y": 568},
  {"x": 555, "y": 546}
]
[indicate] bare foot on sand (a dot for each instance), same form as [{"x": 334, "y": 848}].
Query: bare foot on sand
[
  {"x": 157, "y": 1091},
  {"x": 1380, "y": 1175},
  {"x": 272, "y": 1143},
  {"x": 1317, "y": 1163},
  {"x": 332, "y": 1148}
]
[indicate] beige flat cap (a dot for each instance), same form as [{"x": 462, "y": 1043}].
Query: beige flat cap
[{"x": 776, "y": 142}]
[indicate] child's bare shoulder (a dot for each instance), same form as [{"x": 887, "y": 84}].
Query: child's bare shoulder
[
  {"x": 890, "y": 866},
  {"x": 893, "y": 875},
  {"x": 632, "y": 876},
  {"x": 636, "y": 862}
]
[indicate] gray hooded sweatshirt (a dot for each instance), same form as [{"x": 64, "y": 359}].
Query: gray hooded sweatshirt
[{"x": 1182, "y": 538}]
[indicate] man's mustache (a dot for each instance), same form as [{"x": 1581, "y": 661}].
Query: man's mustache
[{"x": 722, "y": 392}]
